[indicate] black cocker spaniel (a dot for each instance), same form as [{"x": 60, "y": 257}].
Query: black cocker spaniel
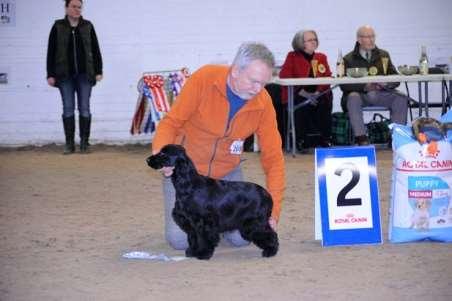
[{"x": 206, "y": 207}]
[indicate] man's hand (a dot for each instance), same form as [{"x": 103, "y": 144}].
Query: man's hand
[
  {"x": 273, "y": 223},
  {"x": 374, "y": 87},
  {"x": 51, "y": 81}
]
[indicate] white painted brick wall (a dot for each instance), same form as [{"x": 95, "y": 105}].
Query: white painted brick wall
[{"x": 145, "y": 35}]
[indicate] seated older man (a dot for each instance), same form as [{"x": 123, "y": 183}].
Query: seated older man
[{"x": 377, "y": 61}]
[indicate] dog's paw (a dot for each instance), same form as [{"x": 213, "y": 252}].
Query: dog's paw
[
  {"x": 204, "y": 255},
  {"x": 269, "y": 252}
]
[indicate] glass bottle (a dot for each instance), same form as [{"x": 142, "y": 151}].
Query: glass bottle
[
  {"x": 340, "y": 67},
  {"x": 423, "y": 61}
]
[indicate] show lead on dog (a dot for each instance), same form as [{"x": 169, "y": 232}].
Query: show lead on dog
[
  {"x": 74, "y": 65},
  {"x": 218, "y": 108}
]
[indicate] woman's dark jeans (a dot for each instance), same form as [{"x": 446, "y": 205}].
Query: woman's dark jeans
[{"x": 80, "y": 85}]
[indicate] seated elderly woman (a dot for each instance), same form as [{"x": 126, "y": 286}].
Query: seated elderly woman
[{"x": 314, "y": 118}]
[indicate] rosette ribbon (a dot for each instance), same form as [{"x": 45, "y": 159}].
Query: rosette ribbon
[
  {"x": 156, "y": 85},
  {"x": 176, "y": 82}
]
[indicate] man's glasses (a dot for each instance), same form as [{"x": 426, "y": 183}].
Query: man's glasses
[{"x": 368, "y": 37}]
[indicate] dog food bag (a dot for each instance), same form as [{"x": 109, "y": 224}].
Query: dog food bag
[{"x": 421, "y": 193}]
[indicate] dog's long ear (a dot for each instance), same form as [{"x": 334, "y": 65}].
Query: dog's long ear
[
  {"x": 184, "y": 173},
  {"x": 184, "y": 164}
]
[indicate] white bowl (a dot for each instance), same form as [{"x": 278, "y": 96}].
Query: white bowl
[
  {"x": 408, "y": 70},
  {"x": 357, "y": 72}
]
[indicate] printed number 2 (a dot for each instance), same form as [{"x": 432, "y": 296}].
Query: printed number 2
[{"x": 341, "y": 200}]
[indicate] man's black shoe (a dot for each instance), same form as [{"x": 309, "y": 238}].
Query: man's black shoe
[{"x": 362, "y": 140}]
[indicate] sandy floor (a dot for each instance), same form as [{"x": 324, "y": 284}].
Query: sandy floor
[{"x": 66, "y": 220}]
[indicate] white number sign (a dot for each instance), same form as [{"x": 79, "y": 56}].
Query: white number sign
[{"x": 347, "y": 204}]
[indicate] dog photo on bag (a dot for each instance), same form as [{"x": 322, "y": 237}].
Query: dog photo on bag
[{"x": 206, "y": 207}]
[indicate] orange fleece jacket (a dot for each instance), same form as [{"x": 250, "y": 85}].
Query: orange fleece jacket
[{"x": 198, "y": 120}]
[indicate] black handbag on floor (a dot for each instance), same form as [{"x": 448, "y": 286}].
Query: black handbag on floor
[{"x": 378, "y": 130}]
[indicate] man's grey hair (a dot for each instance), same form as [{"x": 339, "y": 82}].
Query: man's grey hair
[
  {"x": 361, "y": 28},
  {"x": 251, "y": 51},
  {"x": 298, "y": 39}
]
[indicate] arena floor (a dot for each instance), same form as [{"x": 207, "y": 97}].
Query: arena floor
[{"x": 65, "y": 221}]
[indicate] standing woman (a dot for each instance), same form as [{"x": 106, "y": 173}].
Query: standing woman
[
  {"x": 74, "y": 65},
  {"x": 315, "y": 117}
]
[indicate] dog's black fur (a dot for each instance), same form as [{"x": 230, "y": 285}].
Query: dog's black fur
[{"x": 206, "y": 207}]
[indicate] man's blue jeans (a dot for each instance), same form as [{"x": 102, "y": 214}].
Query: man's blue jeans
[{"x": 80, "y": 85}]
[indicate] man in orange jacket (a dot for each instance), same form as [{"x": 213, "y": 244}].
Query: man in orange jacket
[{"x": 218, "y": 108}]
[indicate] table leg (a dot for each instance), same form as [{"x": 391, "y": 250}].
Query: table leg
[
  {"x": 450, "y": 93},
  {"x": 419, "y": 95},
  {"x": 294, "y": 142},
  {"x": 290, "y": 120},
  {"x": 288, "y": 125},
  {"x": 426, "y": 98}
]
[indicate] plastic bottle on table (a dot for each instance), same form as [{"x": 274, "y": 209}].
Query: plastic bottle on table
[{"x": 423, "y": 61}]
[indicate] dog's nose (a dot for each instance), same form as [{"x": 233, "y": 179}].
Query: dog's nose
[{"x": 149, "y": 161}]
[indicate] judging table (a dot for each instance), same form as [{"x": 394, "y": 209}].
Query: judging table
[{"x": 336, "y": 81}]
